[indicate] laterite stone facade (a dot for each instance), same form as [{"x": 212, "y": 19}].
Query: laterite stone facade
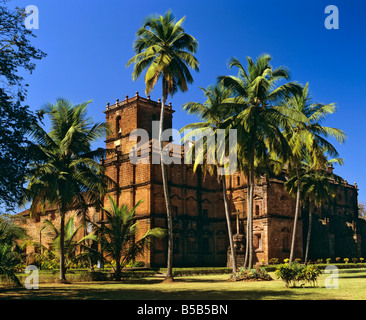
[{"x": 200, "y": 230}]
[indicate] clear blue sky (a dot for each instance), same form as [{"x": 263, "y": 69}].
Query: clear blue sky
[{"x": 88, "y": 43}]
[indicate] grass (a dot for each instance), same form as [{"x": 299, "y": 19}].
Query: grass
[{"x": 352, "y": 286}]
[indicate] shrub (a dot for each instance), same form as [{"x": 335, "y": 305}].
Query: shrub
[
  {"x": 294, "y": 273},
  {"x": 346, "y": 260},
  {"x": 319, "y": 261},
  {"x": 354, "y": 260},
  {"x": 310, "y": 274},
  {"x": 253, "y": 274},
  {"x": 286, "y": 273},
  {"x": 338, "y": 259},
  {"x": 328, "y": 260},
  {"x": 273, "y": 261},
  {"x": 362, "y": 260}
]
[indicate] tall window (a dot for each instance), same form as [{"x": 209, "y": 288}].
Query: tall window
[
  {"x": 257, "y": 210},
  {"x": 204, "y": 214},
  {"x": 257, "y": 243},
  {"x": 119, "y": 124}
]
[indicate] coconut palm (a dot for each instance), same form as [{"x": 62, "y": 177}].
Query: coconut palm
[
  {"x": 66, "y": 176},
  {"x": 71, "y": 244},
  {"x": 317, "y": 184},
  {"x": 10, "y": 233},
  {"x": 308, "y": 136},
  {"x": 213, "y": 113},
  {"x": 165, "y": 51},
  {"x": 117, "y": 235},
  {"x": 260, "y": 118},
  {"x": 8, "y": 260}
]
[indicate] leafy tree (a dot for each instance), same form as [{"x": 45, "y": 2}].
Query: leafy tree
[
  {"x": 8, "y": 260},
  {"x": 259, "y": 119},
  {"x": 213, "y": 113},
  {"x": 17, "y": 54},
  {"x": 317, "y": 185},
  {"x": 165, "y": 51},
  {"x": 66, "y": 176},
  {"x": 308, "y": 136},
  {"x": 117, "y": 236},
  {"x": 10, "y": 233},
  {"x": 71, "y": 244}
]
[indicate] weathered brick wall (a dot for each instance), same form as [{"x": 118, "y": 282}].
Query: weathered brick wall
[{"x": 200, "y": 230}]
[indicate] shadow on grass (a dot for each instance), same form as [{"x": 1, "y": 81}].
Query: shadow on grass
[
  {"x": 143, "y": 294},
  {"x": 117, "y": 291}
]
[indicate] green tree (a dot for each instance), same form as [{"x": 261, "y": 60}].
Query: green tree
[
  {"x": 213, "y": 113},
  {"x": 308, "y": 136},
  {"x": 165, "y": 51},
  {"x": 259, "y": 119},
  {"x": 317, "y": 185},
  {"x": 66, "y": 176},
  {"x": 10, "y": 234},
  {"x": 71, "y": 244},
  {"x": 117, "y": 235},
  {"x": 17, "y": 55}
]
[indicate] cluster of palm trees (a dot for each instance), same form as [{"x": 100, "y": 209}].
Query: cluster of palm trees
[
  {"x": 67, "y": 176},
  {"x": 278, "y": 126}
]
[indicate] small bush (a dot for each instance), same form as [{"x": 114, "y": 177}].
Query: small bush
[
  {"x": 253, "y": 274},
  {"x": 293, "y": 273}
]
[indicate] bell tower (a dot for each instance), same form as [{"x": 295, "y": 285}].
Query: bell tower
[{"x": 129, "y": 114}]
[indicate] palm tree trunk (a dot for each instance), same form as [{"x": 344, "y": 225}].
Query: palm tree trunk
[
  {"x": 228, "y": 222},
  {"x": 169, "y": 272},
  {"x": 250, "y": 215},
  {"x": 62, "y": 247},
  {"x": 118, "y": 274},
  {"x": 297, "y": 212},
  {"x": 247, "y": 231},
  {"x": 308, "y": 237}
]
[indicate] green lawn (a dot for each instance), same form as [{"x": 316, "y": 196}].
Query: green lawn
[{"x": 352, "y": 286}]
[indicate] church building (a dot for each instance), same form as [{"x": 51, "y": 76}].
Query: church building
[{"x": 199, "y": 223}]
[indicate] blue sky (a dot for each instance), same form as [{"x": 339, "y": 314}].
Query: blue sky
[{"x": 88, "y": 43}]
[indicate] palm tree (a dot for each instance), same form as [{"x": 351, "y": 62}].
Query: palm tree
[
  {"x": 213, "y": 113},
  {"x": 308, "y": 136},
  {"x": 117, "y": 235},
  {"x": 317, "y": 185},
  {"x": 8, "y": 260},
  {"x": 10, "y": 233},
  {"x": 66, "y": 176},
  {"x": 259, "y": 119},
  {"x": 71, "y": 244},
  {"x": 165, "y": 51}
]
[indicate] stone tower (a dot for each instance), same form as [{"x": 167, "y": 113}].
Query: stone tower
[{"x": 200, "y": 236}]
